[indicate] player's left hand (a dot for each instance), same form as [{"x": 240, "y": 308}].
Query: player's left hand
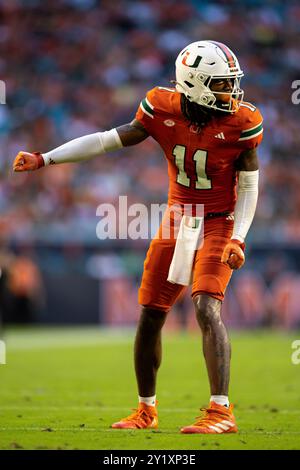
[{"x": 233, "y": 254}]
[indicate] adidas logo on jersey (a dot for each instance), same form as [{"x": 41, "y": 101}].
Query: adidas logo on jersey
[{"x": 220, "y": 136}]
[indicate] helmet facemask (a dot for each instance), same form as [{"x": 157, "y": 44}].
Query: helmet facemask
[{"x": 227, "y": 101}]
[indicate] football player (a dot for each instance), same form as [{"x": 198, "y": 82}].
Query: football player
[{"x": 209, "y": 136}]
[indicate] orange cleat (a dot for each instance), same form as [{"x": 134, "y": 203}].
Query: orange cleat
[
  {"x": 217, "y": 419},
  {"x": 144, "y": 417}
]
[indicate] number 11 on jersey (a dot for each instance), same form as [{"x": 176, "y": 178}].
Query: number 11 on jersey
[{"x": 200, "y": 157}]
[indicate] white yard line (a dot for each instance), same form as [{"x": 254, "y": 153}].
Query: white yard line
[
  {"x": 99, "y": 408},
  {"x": 109, "y": 430},
  {"x": 65, "y": 339}
]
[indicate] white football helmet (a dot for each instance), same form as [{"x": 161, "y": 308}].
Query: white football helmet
[{"x": 201, "y": 62}]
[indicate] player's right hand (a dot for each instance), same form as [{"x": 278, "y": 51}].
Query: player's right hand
[{"x": 26, "y": 161}]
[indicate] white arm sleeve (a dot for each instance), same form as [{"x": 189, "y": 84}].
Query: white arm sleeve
[
  {"x": 245, "y": 207},
  {"x": 84, "y": 147}
]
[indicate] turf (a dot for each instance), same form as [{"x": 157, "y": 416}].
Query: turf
[{"x": 62, "y": 388}]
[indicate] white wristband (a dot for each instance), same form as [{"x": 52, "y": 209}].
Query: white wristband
[
  {"x": 245, "y": 207},
  {"x": 84, "y": 147}
]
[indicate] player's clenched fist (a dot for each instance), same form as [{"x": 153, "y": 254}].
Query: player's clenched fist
[
  {"x": 233, "y": 254},
  {"x": 26, "y": 161}
]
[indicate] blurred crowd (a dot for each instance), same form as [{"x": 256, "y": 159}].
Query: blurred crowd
[{"x": 73, "y": 67}]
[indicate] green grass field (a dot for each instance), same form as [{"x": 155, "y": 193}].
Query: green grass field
[{"x": 62, "y": 388}]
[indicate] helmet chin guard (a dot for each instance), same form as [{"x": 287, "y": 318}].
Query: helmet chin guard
[{"x": 201, "y": 62}]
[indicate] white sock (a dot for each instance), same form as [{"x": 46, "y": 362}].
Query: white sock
[
  {"x": 220, "y": 400},
  {"x": 150, "y": 401}
]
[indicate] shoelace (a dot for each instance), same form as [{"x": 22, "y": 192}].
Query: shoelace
[
  {"x": 205, "y": 419},
  {"x": 139, "y": 416}
]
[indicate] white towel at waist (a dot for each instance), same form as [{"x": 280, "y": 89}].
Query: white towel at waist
[{"x": 187, "y": 243}]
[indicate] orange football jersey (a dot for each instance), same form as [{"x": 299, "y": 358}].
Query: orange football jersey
[{"x": 201, "y": 161}]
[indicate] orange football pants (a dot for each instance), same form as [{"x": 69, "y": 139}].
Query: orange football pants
[{"x": 210, "y": 276}]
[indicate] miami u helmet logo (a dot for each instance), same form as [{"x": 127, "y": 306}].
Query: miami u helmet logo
[{"x": 196, "y": 61}]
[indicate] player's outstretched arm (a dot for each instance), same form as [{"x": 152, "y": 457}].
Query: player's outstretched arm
[
  {"x": 247, "y": 165},
  {"x": 83, "y": 148}
]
